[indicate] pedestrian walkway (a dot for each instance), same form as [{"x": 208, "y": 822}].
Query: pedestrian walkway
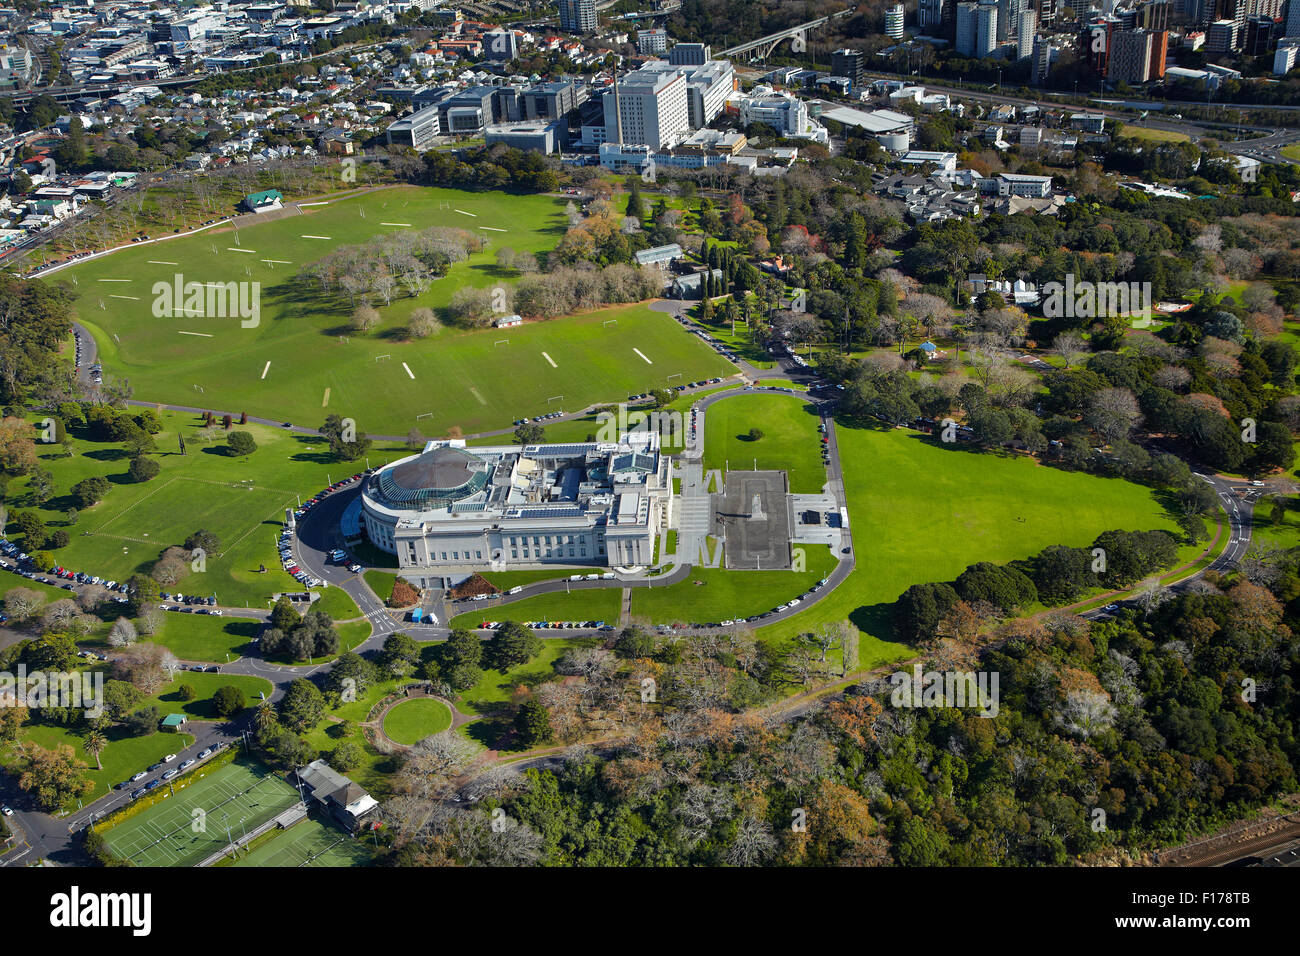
[{"x": 695, "y": 513}]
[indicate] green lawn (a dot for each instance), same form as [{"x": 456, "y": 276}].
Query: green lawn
[
  {"x": 1153, "y": 135},
  {"x": 241, "y": 500},
  {"x": 413, "y": 720},
  {"x": 589, "y": 604},
  {"x": 381, "y": 582},
  {"x": 790, "y": 442},
  {"x": 709, "y": 595},
  {"x": 465, "y": 379},
  {"x": 205, "y": 685},
  {"x": 121, "y": 759},
  {"x": 338, "y": 604},
  {"x": 200, "y": 637},
  {"x": 920, "y": 511}
]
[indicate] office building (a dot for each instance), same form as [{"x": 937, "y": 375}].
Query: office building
[
  {"x": 894, "y": 22},
  {"x": 652, "y": 42},
  {"x": 1025, "y": 31},
  {"x": 578, "y": 16},
  {"x": 651, "y": 108},
  {"x": 1222, "y": 37},
  {"x": 1284, "y": 59},
  {"x": 689, "y": 54},
  {"x": 418, "y": 131},
  {"x": 929, "y": 17},
  {"x": 1130, "y": 57},
  {"x": 1041, "y": 61},
  {"x": 848, "y": 64}
]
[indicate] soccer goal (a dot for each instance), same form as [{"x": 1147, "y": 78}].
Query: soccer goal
[
  {"x": 501, "y": 342},
  {"x": 380, "y": 358},
  {"x": 608, "y": 322},
  {"x": 425, "y": 415}
]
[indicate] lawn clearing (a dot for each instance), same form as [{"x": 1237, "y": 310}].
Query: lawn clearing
[
  {"x": 412, "y": 720},
  {"x": 921, "y": 511},
  {"x": 479, "y": 385},
  {"x": 790, "y": 442}
]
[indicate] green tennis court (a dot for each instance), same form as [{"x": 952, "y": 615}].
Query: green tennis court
[
  {"x": 186, "y": 828},
  {"x": 312, "y": 842}
]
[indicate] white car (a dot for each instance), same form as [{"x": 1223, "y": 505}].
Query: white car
[
  {"x": 7, "y": 811},
  {"x": 169, "y": 758}
]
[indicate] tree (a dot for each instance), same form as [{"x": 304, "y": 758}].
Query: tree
[
  {"x": 143, "y": 592},
  {"x": 89, "y": 491},
  {"x": 143, "y": 469},
  {"x": 462, "y": 647},
  {"x": 348, "y": 755},
  {"x": 302, "y": 706},
  {"x": 399, "y": 654},
  {"x": 53, "y": 777},
  {"x": 284, "y": 617},
  {"x": 94, "y": 744},
  {"x": 513, "y": 644},
  {"x": 186, "y": 692},
  {"x": 240, "y": 444},
  {"x": 228, "y": 701},
  {"x": 529, "y": 433},
  {"x": 533, "y": 724},
  {"x": 122, "y": 633},
  {"x": 422, "y": 323},
  {"x": 32, "y": 528},
  {"x": 365, "y": 318},
  {"x": 203, "y": 540}
]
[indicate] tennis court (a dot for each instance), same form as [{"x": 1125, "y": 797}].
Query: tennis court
[
  {"x": 189, "y": 826},
  {"x": 312, "y": 842}
]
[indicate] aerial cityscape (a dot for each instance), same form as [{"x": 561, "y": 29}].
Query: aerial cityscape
[{"x": 675, "y": 433}]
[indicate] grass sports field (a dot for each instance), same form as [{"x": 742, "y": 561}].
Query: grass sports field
[
  {"x": 312, "y": 842},
  {"x": 184, "y": 829},
  {"x": 241, "y": 500},
  {"x": 413, "y": 720},
  {"x": 302, "y": 362},
  {"x": 920, "y": 511},
  {"x": 790, "y": 442}
]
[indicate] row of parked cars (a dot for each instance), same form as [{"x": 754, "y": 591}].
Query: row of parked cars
[
  {"x": 167, "y": 774},
  {"x": 289, "y": 562},
  {"x": 21, "y": 564},
  {"x": 729, "y": 622},
  {"x": 544, "y": 625}
]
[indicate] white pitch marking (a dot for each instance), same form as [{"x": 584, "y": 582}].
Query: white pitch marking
[
  {"x": 326, "y": 400},
  {"x": 315, "y": 237},
  {"x": 134, "y": 298},
  {"x": 206, "y": 335},
  {"x": 162, "y": 262},
  {"x": 464, "y": 213},
  {"x": 549, "y": 359},
  {"x": 493, "y": 228},
  {"x": 279, "y": 262},
  {"x": 642, "y": 354},
  {"x": 266, "y": 368},
  {"x": 236, "y": 249},
  {"x": 406, "y": 224},
  {"x": 408, "y": 370},
  {"x": 113, "y": 280},
  {"x": 313, "y": 204}
]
